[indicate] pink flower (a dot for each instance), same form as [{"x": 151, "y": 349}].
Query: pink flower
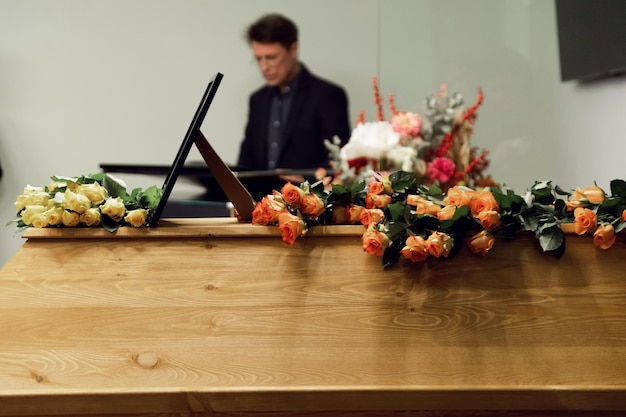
[
  {"x": 441, "y": 169},
  {"x": 407, "y": 124}
]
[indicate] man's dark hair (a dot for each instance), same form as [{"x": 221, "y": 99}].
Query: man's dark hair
[{"x": 273, "y": 28}]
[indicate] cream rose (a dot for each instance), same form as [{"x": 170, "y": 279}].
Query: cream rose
[
  {"x": 54, "y": 216},
  {"x": 75, "y": 202},
  {"x": 70, "y": 218},
  {"x": 114, "y": 208},
  {"x": 29, "y": 213},
  {"x": 94, "y": 192},
  {"x": 91, "y": 217},
  {"x": 39, "y": 220},
  {"x": 32, "y": 196},
  {"x": 137, "y": 217}
]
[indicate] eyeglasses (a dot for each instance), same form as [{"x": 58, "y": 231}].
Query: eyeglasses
[{"x": 270, "y": 60}]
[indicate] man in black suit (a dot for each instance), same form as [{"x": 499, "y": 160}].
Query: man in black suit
[{"x": 290, "y": 116}]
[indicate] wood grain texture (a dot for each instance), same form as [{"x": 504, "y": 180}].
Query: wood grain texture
[{"x": 214, "y": 317}]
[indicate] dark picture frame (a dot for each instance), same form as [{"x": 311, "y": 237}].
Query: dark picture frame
[{"x": 240, "y": 197}]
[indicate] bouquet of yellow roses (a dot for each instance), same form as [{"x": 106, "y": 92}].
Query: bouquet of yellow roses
[{"x": 89, "y": 201}]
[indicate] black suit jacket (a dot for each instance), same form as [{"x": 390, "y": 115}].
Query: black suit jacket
[{"x": 319, "y": 111}]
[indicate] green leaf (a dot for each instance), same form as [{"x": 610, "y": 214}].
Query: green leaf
[
  {"x": 397, "y": 231},
  {"x": 620, "y": 226},
  {"x": 358, "y": 188},
  {"x": 392, "y": 253},
  {"x": 435, "y": 191},
  {"x": 511, "y": 225},
  {"x": 396, "y": 210},
  {"x": 109, "y": 224},
  {"x": 550, "y": 237},
  {"x": 401, "y": 180},
  {"x": 543, "y": 192},
  {"x": 425, "y": 222},
  {"x": 558, "y": 190},
  {"x": 151, "y": 197},
  {"x": 114, "y": 188},
  {"x": 339, "y": 189},
  {"x": 318, "y": 188}
]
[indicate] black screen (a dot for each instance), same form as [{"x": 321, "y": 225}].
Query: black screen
[
  {"x": 185, "y": 147},
  {"x": 592, "y": 38}
]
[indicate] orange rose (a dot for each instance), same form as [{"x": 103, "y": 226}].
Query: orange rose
[
  {"x": 353, "y": 213},
  {"x": 292, "y": 194},
  {"x": 446, "y": 213},
  {"x": 458, "y": 197},
  {"x": 375, "y": 188},
  {"x": 257, "y": 214},
  {"x": 624, "y": 215},
  {"x": 571, "y": 205},
  {"x": 423, "y": 205},
  {"x": 339, "y": 214},
  {"x": 291, "y": 227},
  {"x": 584, "y": 220},
  {"x": 377, "y": 200},
  {"x": 415, "y": 249},
  {"x": 267, "y": 210},
  {"x": 604, "y": 236},
  {"x": 592, "y": 194},
  {"x": 413, "y": 200},
  {"x": 481, "y": 242},
  {"x": 489, "y": 219},
  {"x": 483, "y": 201},
  {"x": 312, "y": 205},
  {"x": 374, "y": 242},
  {"x": 371, "y": 216},
  {"x": 439, "y": 244}
]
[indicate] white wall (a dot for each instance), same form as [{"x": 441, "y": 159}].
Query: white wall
[{"x": 86, "y": 81}]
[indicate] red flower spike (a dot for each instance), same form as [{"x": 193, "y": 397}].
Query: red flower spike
[
  {"x": 445, "y": 145},
  {"x": 470, "y": 114},
  {"x": 361, "y": 119},
  {"x": 377, "y": 101},
  {"x": 481, "y": 159},
  {"x": 392, "y": 104}
]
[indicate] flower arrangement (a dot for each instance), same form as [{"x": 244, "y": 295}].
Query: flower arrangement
[
  {"x": 90, "y": 201},
  {"x": 405, "y": 219},
  {"x": 435, "y": 147},
  {"x": 420, "y": 190}
]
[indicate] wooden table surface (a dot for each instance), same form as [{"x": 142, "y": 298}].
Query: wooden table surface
[{"x": 210, "y": 317}]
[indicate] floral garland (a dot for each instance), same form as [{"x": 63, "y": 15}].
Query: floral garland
[
  {"x": 420, "y": 189},
  {"x": 405, "y": 219},
  {"x": 90, "y": 201}
]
